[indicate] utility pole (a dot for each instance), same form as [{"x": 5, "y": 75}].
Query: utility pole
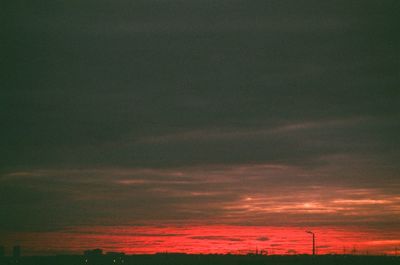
[{"x": 313, "y": 241}]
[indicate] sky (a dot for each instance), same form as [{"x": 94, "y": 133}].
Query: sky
[{"x": 198, "y": 125}]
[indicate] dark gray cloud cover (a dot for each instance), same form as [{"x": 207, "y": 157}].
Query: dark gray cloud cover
[{"x": 113, "y": 97}]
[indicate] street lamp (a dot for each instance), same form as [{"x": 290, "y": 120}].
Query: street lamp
[{"x": 313, "y": 241}]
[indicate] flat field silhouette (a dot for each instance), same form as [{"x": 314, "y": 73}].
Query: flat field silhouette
[{"x": 183, "y": 259}]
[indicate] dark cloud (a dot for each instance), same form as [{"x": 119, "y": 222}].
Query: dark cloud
[
  {"x": 168, "y": 111},
  {"x": 223, "y": 238},
  {"x": 87, "y": 81}
]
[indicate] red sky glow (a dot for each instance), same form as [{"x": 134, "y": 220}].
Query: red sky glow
[{"x": 218, "y": 239}]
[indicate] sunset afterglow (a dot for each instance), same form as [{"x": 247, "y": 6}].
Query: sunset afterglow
[{"x": 212, "y": 239}]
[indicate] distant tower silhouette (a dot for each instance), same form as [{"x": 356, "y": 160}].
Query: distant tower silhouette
[
  {"x": 16, "y": 252},
  {"x": 354, "y": 250}
]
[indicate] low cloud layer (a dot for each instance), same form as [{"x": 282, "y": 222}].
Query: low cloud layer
[{"x": 240, "y": 195}]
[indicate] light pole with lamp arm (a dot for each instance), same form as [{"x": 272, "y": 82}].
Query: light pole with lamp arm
[{"x": 313, "y": 241}]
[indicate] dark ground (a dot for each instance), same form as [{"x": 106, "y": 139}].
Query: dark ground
[{"x": 177, "y": 259}]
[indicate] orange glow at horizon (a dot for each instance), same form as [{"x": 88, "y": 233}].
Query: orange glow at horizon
[{"x": 219, "y": 239}]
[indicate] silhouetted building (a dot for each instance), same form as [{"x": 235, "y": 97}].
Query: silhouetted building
[
  {"x": 93, "y": 256},
  {"x": 93, "y": 252},
  {"x": 115, "y": 254},
  {"x": 16, "y": 252}
]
